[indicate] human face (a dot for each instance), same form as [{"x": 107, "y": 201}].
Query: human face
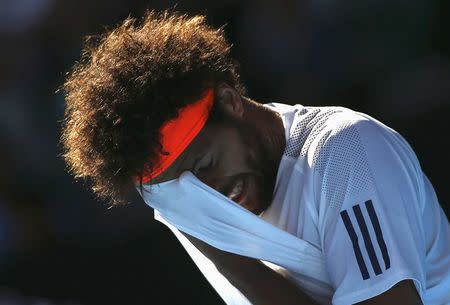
[
  {"x": 229, "y": 157},
  {"x": 237, "y": 153}
]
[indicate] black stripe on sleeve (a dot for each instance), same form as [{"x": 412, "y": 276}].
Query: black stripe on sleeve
[
  {"x": 354, "y": 238},
  {"x": 379, "y": 233},
  {"x": 367, "y": 241}
]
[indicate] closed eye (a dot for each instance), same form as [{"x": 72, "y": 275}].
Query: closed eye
[{"x": 202, "y": 165}]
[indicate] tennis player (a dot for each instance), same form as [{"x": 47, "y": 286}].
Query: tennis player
[{"x": 152, "y": 99}]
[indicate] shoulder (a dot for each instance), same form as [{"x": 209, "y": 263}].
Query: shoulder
[
  {"x": 348, "y": 136},
  {"x": 343, "y": 139},
  {"x": 357, "y": 157}
]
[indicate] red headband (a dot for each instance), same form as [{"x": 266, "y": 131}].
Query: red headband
[{"x": 178, "y": 133}]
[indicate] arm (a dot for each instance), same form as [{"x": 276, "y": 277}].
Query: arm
[
  {"x": 403, "y": 292},
  {"x": 260, "y": 284}
]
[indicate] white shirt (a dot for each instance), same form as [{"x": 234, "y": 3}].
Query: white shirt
[{"x": 353, "y": 188}]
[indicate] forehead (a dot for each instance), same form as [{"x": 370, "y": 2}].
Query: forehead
[{"x": 199, "y": 146}]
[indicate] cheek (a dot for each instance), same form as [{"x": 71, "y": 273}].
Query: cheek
[
  {"x": 234, "y": 162},
  {"x": 235, "y": 156},
  {"x": 253, "y": 148}
]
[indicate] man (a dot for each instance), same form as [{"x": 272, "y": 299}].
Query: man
[{"x": 150, "y": 101}]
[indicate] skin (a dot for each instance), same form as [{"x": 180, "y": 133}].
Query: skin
[{"x": 247, "y": 145}]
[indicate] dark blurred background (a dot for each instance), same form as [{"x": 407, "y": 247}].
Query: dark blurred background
[{"x": 59, "y": 245}]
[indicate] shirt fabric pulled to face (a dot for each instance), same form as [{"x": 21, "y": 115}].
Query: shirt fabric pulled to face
[{"x": 352, "y": 215}]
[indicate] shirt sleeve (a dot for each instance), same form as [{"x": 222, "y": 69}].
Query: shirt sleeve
[{"x": 368, "y": 188}]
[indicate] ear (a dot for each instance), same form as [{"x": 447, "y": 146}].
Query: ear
[{"x": 229, "y": 100}]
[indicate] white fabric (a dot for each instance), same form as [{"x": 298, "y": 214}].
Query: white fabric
[
  {"x": 196, "y": 209},
  {"x": 223, "y": 287},
  {"x": 335, "y": 162},
  {"x": 357, "y": 159}
]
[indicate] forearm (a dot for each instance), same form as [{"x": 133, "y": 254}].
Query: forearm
[{"x": 260, "y": 284}]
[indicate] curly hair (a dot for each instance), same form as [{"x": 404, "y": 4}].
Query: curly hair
[{"x": 128, "y": 82}]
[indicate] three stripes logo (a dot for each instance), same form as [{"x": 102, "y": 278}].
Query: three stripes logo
[{"x": 368, "y": 243}]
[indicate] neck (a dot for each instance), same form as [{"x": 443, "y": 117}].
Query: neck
[{"x": 270, "y": 127}]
